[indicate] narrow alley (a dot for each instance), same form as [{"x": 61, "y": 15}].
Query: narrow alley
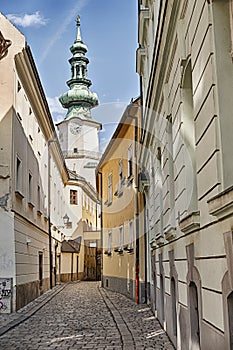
[{"x": 82, "y": 316}]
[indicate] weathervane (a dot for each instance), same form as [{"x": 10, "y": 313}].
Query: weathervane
[{"x": 78, "y": 21}]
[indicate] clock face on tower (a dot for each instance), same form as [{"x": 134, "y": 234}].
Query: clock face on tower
[{"x": 75, "y": 128}]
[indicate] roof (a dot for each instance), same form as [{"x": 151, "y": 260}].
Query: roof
[{"x": 72, "y": 245}]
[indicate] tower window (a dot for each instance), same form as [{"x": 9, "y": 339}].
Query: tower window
[
  {"x": 75, "y": 150},
  {"x": 73, "y": 197}
]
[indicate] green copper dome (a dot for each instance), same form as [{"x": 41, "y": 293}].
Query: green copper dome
[{"x": 79, "y": 99}]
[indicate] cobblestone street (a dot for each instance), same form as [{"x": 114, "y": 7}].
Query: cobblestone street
[{"x": 82, "y": 316}]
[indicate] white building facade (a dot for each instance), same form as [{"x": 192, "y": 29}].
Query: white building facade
[
  {"x": 41, "y": 199},
  {"x": 185, "y": 66}
]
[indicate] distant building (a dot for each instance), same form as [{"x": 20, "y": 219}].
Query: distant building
[
  {"x": 184, "y": 61},
  {"x": 117, "y": 179}
]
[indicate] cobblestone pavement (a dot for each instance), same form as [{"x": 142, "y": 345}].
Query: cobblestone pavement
[{"x": 82, "y": 316}]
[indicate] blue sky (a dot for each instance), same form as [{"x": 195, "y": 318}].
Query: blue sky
[{"x": 108, "y": 27}]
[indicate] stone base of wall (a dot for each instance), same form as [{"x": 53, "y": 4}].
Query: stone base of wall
[
  {"x": 66, "y": 277},
  {"x": 25, "y": 293},
  {"x": 124, "y": 286},
  {"x": 211, "y": 337}
]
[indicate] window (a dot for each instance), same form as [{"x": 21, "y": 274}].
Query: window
[
  {"x": 120, "y": 170},
  {"x": 131, "y": 234},
  {"x": 18, "y": 86},
  {"x": 121, "y": 238},
  {"x": 73, "y": 197},
  {"x": 18, "y": 175},
  {"x": 130, "y": 161},
  {"x": 109, "y": 242},
  {"x": 110, "y": 188},
  {"x": 19, "y": 116},
  {"x": 75, "y": 150},
  {"x": 38, "y": 200},
  {"x": 84, "y": 200},
  {"x": 29, "y": 188}
]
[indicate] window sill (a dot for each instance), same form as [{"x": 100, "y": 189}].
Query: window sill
[
  {"x": 170, "y": 233},
  {"x": 159, "y": 240},
  {"x": 108, "y": 253},
  {"x": 130, "y": 180},
  {"x": 128, "y": 248},
  {"x": 31, "y": 205},
  {"x": 222, "y": 204},
  {"x": 107, "y": 203},
  {"x": 19, "y": 195},
  {"x": 153, "y": 244},
  {"x": 190, "y": 223}
]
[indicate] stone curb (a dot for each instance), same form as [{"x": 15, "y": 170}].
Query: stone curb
[
  {"x": 24, "y": 315},
  {"x": 125, "y": 333}
]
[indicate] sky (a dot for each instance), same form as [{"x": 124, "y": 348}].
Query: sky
[{"x": 108, "y": 28}]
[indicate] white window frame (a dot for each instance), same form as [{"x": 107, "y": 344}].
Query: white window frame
[{"x": 131, "y": 234}]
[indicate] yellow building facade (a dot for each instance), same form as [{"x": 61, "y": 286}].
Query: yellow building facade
[{"x": 117, "y": 175}]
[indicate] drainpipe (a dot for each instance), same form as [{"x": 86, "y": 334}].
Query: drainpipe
[
  {"x": 72, "y": 266},
  {"x": 145, "y": 245},
  {"x": 101, "y": 224}
]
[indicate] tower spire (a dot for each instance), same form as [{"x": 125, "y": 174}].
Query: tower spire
[{"x": 79, "y": 99}]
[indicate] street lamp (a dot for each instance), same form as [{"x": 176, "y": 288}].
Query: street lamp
[{"x": 66, "y": 219}]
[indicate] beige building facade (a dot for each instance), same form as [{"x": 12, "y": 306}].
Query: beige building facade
[{"x": 184, "y": 61}]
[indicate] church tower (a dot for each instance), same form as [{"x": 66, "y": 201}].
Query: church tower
[{"x": 78, "y": 132}]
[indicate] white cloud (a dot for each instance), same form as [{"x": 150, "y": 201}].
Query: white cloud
[
  {"x": 32, "y": 20},
  {"x": 55, "y": 105},
  {"x": 57, "y": 111},
  {"x": 62, "y": 28}
]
